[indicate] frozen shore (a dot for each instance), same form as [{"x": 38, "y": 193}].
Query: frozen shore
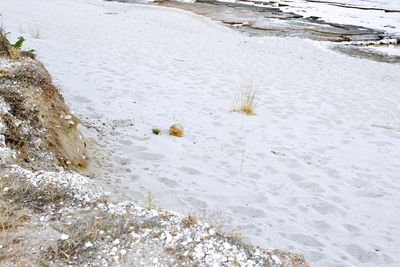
[
  {"x": 365, "y": 14},
  {"x": 314, "y": 171}
]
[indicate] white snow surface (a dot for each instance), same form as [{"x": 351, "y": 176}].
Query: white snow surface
[
  {"x": 316, "y": 170},
  {"x": 364, "y": 13},
  {"x": 388, "y": 4},
  {"x": 375, "y": 19}
]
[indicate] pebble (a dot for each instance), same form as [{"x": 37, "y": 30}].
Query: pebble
[
  {"x": 116, "y": 242},
  {"x": 227, "y": 246},
  {"x": 169, "y": 237},
  {"x": 64, "y": 237},
  {"x": 276, "y": 259}
]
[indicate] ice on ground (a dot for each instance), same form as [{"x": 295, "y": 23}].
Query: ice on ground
[{"x": 375, "y": 19}]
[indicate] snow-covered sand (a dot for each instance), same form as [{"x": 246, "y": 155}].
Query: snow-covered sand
[
  {"x": 317, "y": 169},
  {"x": 375, "y": 19}
]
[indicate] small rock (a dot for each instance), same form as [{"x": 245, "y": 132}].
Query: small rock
[
  {"x": 67, "y": 117},
  {"x": 116, "y": 242},
  {"x": 123, "y": 252},
  {"x": 64, "y": 237},
  {"x": 5, "y": 189},
  {"x": 176, "y": 130},
  {"x": 169, "y": 237},
  {"x": 135, "y": 235},
  {"x": 276, "y": 259},
  {"x": 227, "y": 246}
]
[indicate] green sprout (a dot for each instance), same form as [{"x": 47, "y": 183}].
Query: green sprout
[
  {"x": 18, "y": 44},
  {"x": 150, "y": 200},
  {"x": 156, "y": 131}
]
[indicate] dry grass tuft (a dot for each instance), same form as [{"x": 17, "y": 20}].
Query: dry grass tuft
[
  {"x": 95, "y": 228},
  {"x": 24, "y": 194},
  {"x": 235, "y": 234},
  {"x": 216, "y": 219},
  {"x": 14, "y": 52},
  {"x": 14, "y": 136},
  {"x": 4, "y": 43},
  {"x": 8, "y": 219},
  {"x": 35, "y": 32},
  {"x": 189, "y": 221},
  {"x": 247, "y": 99}
]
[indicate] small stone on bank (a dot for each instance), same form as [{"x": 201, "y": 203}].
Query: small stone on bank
[
  {"x": 227, "y": 246},
  {"x": 64, "y": 237},
  {"x": 176, "y": 130}
]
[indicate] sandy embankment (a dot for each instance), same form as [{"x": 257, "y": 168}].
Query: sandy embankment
[
  {"x": 315, "y": 170},
  {"x": 52, "y": 215}
]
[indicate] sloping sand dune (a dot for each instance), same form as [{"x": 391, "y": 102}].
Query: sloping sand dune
[{"x": 316, "y": 170}]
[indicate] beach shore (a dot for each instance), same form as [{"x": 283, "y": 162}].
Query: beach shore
[
  {"x": 53, "y": 215},
  {"x": 315, "y": 170}
]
